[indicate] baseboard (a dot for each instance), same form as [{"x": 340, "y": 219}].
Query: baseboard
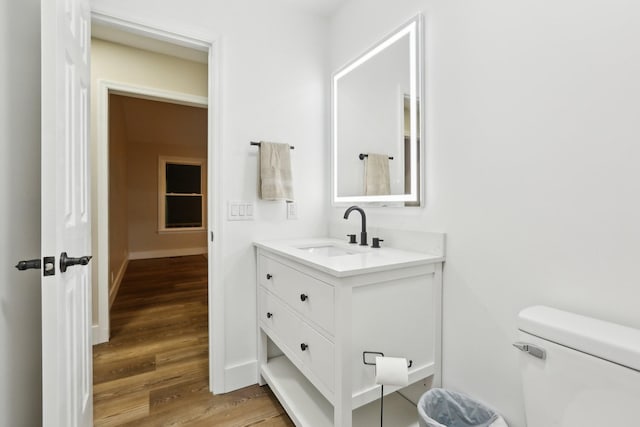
[
  {"x": 98, "y": 335},
  {"x": 113, "y": 292},
  {"x": 239, "y": 376},
  {"x": 165, "y": 253}
]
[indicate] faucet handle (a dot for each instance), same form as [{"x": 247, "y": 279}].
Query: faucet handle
[
  {"x": 352, "y": 238},
  {"x": 376, "y": 242}
]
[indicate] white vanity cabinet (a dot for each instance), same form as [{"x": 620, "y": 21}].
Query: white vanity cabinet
[{"x": 317, "y": 315}]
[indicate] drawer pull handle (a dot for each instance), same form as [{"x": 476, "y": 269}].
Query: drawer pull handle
[
  {"x": 304, "y": 347},
  {"x": 304, "y": 297},
  {"x": 269, "y": 315},
  {"x": 269, "y": 277}
]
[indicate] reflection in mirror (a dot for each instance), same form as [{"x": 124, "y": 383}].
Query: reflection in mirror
[{"x": 376, "y": 122}]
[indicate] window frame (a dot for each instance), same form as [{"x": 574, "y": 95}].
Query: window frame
[{"x": 162, "y": 192}]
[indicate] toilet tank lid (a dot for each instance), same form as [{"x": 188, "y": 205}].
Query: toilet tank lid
[{"x": 610, "y": 341}]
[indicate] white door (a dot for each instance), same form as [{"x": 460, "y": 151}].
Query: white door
[{"x": 66, "y": 227}]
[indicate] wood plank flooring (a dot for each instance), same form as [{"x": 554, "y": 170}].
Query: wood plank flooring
[{"x": 154, "y": 370}]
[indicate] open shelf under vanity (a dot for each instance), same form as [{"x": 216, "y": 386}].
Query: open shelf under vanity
[{"x": 307, "y": 407}]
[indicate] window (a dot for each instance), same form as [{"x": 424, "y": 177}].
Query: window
[{"x": 181, "y": 204}]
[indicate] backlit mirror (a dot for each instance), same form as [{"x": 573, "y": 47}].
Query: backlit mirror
[{"x": 376, "y": 125}]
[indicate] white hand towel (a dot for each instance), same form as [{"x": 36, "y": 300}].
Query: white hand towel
[
  {"x": 275, "y": 171},
  {"x": 376, "y": 175}
]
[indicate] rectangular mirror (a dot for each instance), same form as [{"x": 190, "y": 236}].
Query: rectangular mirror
[{"x": 376, "y": 123}]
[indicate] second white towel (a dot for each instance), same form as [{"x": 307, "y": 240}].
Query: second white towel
[{"x": 376, "y": 175}]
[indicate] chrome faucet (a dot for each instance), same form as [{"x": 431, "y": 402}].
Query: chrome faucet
[{"x": 363, "y": 233}]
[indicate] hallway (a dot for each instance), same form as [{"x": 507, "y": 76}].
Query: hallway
[{"x": 154, "y": 371}]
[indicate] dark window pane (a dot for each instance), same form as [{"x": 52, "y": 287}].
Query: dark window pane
[
  {"x": 183, "y": 178},
  {"x": 183, "y": 211}
]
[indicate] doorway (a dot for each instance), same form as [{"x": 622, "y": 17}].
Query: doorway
[
  {"x": 157, "y": 181},
  {"x": 129, "y": 33}
]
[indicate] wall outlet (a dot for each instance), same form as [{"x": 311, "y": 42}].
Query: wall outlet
[{"x": 292, "y": 210}]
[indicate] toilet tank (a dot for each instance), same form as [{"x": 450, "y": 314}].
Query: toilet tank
[{"x": 578, "y": 371}]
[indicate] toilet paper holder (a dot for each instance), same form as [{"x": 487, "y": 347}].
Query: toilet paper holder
[
  {"x": 364, "y": 360},
  {"x": 377, "y": 353}
]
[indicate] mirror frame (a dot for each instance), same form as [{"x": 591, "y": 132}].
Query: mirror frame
[{"x": 414, "y": 28}]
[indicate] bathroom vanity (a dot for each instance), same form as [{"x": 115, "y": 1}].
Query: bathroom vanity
[{"x": 321, "y": 304}]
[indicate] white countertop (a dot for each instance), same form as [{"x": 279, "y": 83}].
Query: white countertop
[{"x": 362, "y": 259}]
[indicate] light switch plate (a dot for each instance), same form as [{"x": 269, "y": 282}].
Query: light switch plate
[{"x": 239, "y": 210}]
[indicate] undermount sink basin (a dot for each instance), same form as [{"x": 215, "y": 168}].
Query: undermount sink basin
[{"x": 327, "y": 250}]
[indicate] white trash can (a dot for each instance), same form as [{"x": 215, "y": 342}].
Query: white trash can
[{"x": 445, "y": 408}]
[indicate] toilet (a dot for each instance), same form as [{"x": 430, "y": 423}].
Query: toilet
[{"x": 578, "y": 371}]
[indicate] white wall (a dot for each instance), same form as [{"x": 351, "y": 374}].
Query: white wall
[
  {"x": 532, "y": 170},
  {"x": 274, "y": 85},
  {"x": 20, "y": 320}
]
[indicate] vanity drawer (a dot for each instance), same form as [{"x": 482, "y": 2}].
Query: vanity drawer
[
  {"x": 310, "y": 297},
  {"x": 301, "y": 341},
  {"x": 280, "y": 321},
  {"x": 318, "y": 355}
]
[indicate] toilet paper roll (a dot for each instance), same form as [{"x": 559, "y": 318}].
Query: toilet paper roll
[{"x": 392, "y": 371}]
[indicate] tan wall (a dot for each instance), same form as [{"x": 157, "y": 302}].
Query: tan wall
[
  {"x": 115, "y": 62},
  {"x": 144, "y": 239},
  {"x": 122, "y": 64},
  {"x": 118, "y": 223}
]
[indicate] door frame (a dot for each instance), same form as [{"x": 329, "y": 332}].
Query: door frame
[{"x": 216, "y": 313}]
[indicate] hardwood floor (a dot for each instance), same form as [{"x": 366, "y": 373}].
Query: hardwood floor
[{"x": 154, "y": 370}]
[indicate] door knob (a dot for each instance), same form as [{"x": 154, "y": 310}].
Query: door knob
[
  {"x": 67, "y": 261},
  {"x": 304, "y": 347},
  {"x": 29, "y": 264},
  {"x": 36, "y": 264}
]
